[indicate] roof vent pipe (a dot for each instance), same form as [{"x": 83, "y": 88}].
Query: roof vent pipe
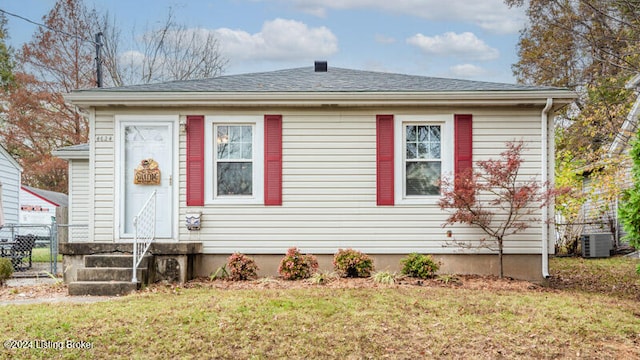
[{"x": 320, "y": 66}]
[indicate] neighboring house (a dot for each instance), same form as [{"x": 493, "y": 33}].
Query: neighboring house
[
  {"x": 316, "y": 158},
  {"x": 601, "y": 217},
  {"x": 38, "y": 206},
  {"x": 10, "y": 173}
]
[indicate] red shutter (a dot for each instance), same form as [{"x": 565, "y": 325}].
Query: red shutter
[
  {"x": 463, "y": 156},
  {"x": 195, "y": 160},
  {"x": 273, "y": 159},
  {"x": 384, "y": 159}
]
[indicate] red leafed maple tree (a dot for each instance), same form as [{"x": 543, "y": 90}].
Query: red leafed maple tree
[
  {"x": 495, "y": 200},
  {"x": 57, "y": 60}
]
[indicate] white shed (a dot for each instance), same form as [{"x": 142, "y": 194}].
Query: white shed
[{"x": 38, "y": 206}]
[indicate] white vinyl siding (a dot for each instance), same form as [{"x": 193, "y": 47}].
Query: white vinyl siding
[
  {"x": 104, "y": 178},
  {"x": 329, "y": 191},
  {"x": 10, "y": 179},
  {"x": 329, "y": 186},
  {"x": 79, "y": 192}
]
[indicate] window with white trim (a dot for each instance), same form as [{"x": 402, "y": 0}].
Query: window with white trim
[
  {"x": 233, "y": 157},
  {"x": 234, "y": 148},
  {"x": 423, "y": 155},
  {"x": 423, "y": 159}
]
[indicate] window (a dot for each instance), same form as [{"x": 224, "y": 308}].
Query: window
[
  {"x": 234, "y": 160},
  {"x": 423, "y": 154},
  {"x": 423, "y": 162},
  {"x": 234, "y": 150}
]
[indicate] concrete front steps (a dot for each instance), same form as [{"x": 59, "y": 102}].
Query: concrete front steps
[
  {"x": 109, "y": 275},
  {"x": 104, "y": 268}
]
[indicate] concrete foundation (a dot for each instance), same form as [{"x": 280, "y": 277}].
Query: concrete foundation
[
  {"x": 180, "y": 262},
  {"x": 522, "y": 267}
]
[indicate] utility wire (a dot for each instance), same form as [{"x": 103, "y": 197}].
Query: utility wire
[{"x": 47, "y": 27}]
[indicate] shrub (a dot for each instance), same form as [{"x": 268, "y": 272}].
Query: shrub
[
  {"x": 321, "y": 278},
  {"x": 6, "y": 270},
  {"x": 449, "y": 279},
  {"x": 241, "y": 267},
  {"x": 420, "y": 266},
  {"x": 638, "y": 269},
  {"x": 352, "y": 263},
  {"x": 295, "y": 265},
  {"x": 384, "y": 277}
]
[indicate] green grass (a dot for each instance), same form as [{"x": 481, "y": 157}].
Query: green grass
[
  {"x": 42, "y": 255},
  {"x": 322, "y": 322},
  {"x": 333, "y": 323}
]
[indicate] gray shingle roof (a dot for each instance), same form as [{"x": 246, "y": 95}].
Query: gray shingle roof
[
  {"x": 334, "y": 80},
  {"x": 80, "y": 151},
  {"x": 57, "y": 198},
  {"x": 79, "y": 147}
]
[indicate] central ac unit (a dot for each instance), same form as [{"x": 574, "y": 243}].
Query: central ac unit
[{"x": 596, "y": 245}]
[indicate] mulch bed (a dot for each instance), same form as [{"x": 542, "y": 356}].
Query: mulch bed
[
  {"x": 473, "y": 282},
  {"x": 458, "y": 281}
]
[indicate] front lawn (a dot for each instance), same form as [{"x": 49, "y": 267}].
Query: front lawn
[
  {"x": 255, "y": 320},
  {"x": 615, "y": 276}
]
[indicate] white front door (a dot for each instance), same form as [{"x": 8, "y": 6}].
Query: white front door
[{"x": 143, "y": 143}]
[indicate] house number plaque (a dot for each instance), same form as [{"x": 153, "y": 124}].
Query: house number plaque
[{"x": 147, "y": 173}]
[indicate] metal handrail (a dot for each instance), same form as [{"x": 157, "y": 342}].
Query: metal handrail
[{"x": 145, "y": 232}]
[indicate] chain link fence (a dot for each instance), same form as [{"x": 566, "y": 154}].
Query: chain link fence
[{"x": 33, "y": 248}]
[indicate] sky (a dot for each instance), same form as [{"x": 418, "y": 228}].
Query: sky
[{"x": 464, "y": 39}]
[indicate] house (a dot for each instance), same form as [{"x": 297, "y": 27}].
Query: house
[
  {"x": 10, "y": 173},
  {"x": 601, "y": 215},
  {"x": 320, "y": 158}
]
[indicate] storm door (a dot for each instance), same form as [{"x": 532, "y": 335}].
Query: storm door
[{"x": 147, "y": 165}]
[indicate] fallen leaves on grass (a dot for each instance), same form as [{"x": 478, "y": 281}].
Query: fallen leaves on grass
[
  {"x": 613, "y": 276},
  {"x": 42, "y": 291}
]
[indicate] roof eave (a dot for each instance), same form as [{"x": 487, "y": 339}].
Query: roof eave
[
  {"x": 319, "y": 99},
  {"x": 71, "y": 154}
]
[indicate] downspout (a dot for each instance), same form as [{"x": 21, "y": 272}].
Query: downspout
[{"x": 545, "y": 178}]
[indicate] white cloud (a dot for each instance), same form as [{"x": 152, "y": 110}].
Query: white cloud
[
  {"x": 467, "y": 71},
  {"x": 383, "y": 39},
  {"x": 131, "y": 57},
  {"x": 490, "y": 15},
  {"x": 465, "y": 45},
  {"x": 279, "y": 40}
]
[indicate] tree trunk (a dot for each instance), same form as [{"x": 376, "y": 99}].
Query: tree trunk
[{"x": 500, "y": 252}]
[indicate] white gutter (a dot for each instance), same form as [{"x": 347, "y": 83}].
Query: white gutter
[
  {"x": 545, "y": 178},
  {"x": 320, "y": 99}
]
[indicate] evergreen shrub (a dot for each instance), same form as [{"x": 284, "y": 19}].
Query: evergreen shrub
[{"x": 352, "y": 263}]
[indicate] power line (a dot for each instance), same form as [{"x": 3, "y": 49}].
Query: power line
[{"x": 47, "y": 27}]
